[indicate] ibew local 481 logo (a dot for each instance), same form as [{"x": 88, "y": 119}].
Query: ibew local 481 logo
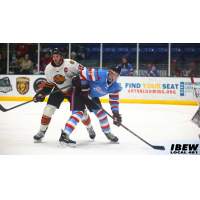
[{"x": 184, "y": 149}]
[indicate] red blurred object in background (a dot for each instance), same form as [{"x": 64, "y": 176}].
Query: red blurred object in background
[{"x": 22, "y": 48}]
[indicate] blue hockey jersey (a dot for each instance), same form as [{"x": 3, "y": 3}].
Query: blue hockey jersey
[
  {"x": 97, "y": 79},
  {"x": 126, "y": 71},
  {"x": 152, "y": 72}
]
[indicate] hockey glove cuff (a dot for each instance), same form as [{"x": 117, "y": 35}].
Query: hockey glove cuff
[
  {"x": 117, "y": 118},
  {"x": 85, "y": 90},
  {"x": 76, "y": 81},
  {"x": 39, "y": 97}
]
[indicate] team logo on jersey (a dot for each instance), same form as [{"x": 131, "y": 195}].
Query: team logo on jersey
[
  {"x": 72, "y": 61},
  {"x": 22, "y": 85},
  {"x": 81, "y": 67},
  {"x": 59, "y": 79},
  {"x": 66, "y": 70},
  {"x": 99, "y": 90},
  {"x": 5, "y": 85},
  {"x": 38, "y": 84}
]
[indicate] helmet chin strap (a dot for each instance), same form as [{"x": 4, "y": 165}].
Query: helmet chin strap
[
  {"x": 59, "y": 61},
  {"x": 109, "y": 82}
]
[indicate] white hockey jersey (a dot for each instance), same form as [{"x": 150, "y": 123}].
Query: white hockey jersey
[{"x": 62, "y": 76}]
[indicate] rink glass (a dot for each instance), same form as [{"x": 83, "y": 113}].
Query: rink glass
[
  {"x": 156, "y": 54},
  {"x": 185, "y": 54},
  {"x": 104, "y": 55},
  {"x": 114, "y": 52}
]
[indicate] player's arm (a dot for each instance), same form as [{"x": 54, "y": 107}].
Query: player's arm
[
  {"x": 86, "y": 76},
  {"x": 131, "y": 73},
  {"x": 89, "y": 74},
  {"x": 114, "y": 103},
  {"x": 47, "y": 88},
  {"x": 80, "y": 79},
  {"x": 146, "y": 73},
  {"x": 154, "y": 72},
  {"x": 151, "y": 73},
  {"x": 76, "y": 67}
]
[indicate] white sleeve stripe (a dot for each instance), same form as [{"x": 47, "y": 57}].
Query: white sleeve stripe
[
  {"x": 114, "y": 93},
  {"x": 93, "y": 76},
  {"x": 113, "y": 99},
  {"x": 84, "y": 73}
]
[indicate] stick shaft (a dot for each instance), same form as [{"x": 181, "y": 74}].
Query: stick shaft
[
  {"x": 195, "y": 91},
  {"x": 124, "y": 126},
  {"x": 32, "y": 99}
]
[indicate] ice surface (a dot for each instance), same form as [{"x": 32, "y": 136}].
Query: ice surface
[{"x": 157, "y": 124}]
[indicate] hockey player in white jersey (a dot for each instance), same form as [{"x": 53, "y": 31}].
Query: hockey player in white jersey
[{"x": 59, "y": 74}]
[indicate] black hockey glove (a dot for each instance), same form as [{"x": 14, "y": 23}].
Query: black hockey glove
[
  {"x": 38, "y": 97},
  {"x": 85, "y": 90},
  {"x": 76, "y": 82},
  {"x": 117, "y": 118}
]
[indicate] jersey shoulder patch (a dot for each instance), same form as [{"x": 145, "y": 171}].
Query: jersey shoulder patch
[{"x": 72, "y": 62}]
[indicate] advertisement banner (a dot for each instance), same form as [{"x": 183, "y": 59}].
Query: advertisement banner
[
  {"x": 158, "y": 88},
  {"x": 133, "y": 88},
  {"x": 20, "y": 85}
]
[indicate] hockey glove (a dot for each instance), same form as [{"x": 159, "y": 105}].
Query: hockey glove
[
  {"x": 39, "y": 97},
  {"x": 76, "y": 81},
  {"x": 117, "y": 118},
  {"x": 85, "y": 90}
]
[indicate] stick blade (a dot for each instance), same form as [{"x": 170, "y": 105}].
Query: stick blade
[
  {"x": 2, "y": 108},
  {"x": 159, "y": 147},
  {"x": 196, "y": 118}
]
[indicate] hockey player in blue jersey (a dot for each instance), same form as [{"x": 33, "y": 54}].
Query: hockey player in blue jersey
[
  {"x": 151, "y": 71},
  {"x": 127, "y": 69},
  {"x": 96, "y": 83}
]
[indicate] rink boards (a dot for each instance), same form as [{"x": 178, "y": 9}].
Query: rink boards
[{"x": 147, "y": 90}]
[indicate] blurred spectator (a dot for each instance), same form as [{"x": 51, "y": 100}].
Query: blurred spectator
[
  {"x": 19, "y": 58},
  {"x": 81, "y": 52},
  {"x": 73, "y": 56},
  {"x": 175, "y": 70},
  {"x": 64, "y": 55},
  {"x": 26, "y": 65},
  {"x": 151, "y": 71},
  {"x": 194, "y": 72},
  {"x": 45, "y": 61},
  {"x": 127, "y": 69},
  {"x": 23, "y": 49},
  {"x": 3, "y": 67},
  {"x": 66, "y": 51}
]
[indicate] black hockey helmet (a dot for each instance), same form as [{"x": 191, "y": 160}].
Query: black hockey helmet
[
  {"x": 57, "y": 51},
  {"x": 116, "y": 69}
]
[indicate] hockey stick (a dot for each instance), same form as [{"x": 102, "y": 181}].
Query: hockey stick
[
  {"x": 195, "y": 91},
  {"x": 5, "y": 110},
  {"x": 155, "y": 147}
]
